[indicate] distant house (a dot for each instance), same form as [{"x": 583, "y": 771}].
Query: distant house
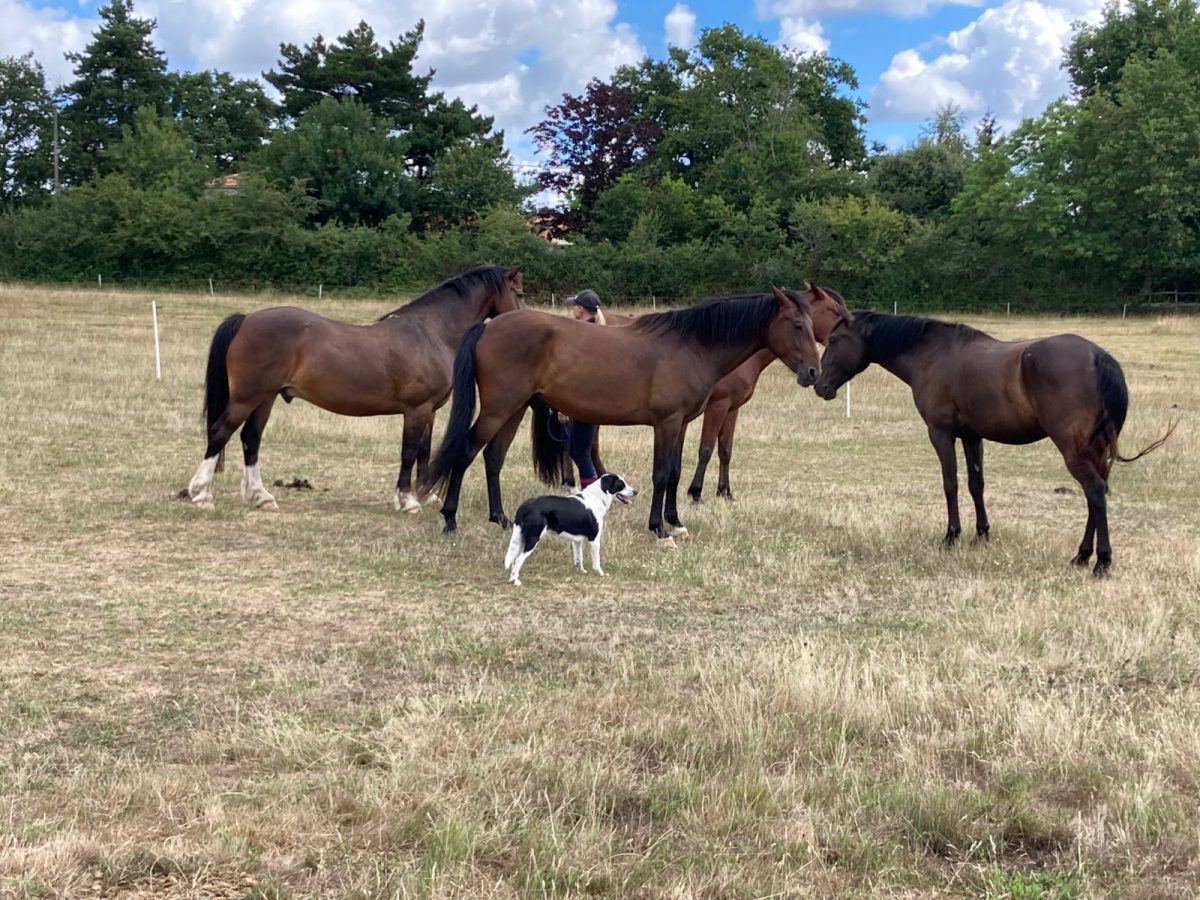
[
  {"x": 225, "y": 184},
  {"x": 554, "y": 225}
]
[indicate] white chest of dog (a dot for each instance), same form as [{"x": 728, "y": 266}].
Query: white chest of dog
[{"x": 578, "y": 519}]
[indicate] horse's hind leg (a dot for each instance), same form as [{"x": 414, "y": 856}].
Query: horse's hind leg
[
  {"x": 200, "y": 487},
  {"x": 666, "y": 435},
  {"x": 725, "y": 454},
  {"x": 415, "y": 426},
  {"x": 253, "y": 489},
  {"x": 484, "y": 429},
  {"x": 597, "y": 462},
  {"x": 494, "y": 455},
  {"x": 714, "y": 416},
  {"x": 424, "y": 448},
  {"x": 1095, "y": 488},
  {"x": 973, "y": 451}
]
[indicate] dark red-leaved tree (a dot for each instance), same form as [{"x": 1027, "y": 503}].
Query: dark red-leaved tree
[{"x": 593, "y": 139}]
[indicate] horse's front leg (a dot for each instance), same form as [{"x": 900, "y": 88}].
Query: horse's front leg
[
  {"x": 973, "y": 451},
  {"x": 943, "y": 442},
  {"x": 671, "y": 511},
  {"x": 664, "y": 437},
  {"x": 415, "y": 426}
]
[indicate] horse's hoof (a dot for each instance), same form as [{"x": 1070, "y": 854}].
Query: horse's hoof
[
  {"x": 502, "y": 520},
  {"x": 1101, "y": 570},
  {"x": 950, "y": 539},
  {"x": 980, "y": 538},
  {"x": 204, "y": 504},
  {"x": 432, "y": 499},
  {"x": 696, "y": 496},
  {"x": 268, "y": 505},
  {"x": 406, "y": 503},
  {"x": 680, "y": 532},
  {"x": 667, "y": 543},
  {"x": 1080, "y": 561}
]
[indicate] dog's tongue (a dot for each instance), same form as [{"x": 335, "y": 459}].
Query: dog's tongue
[{"x": 622, "y": 499}]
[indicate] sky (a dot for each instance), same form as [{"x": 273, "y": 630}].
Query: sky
[{"x": 514, "y": 57}]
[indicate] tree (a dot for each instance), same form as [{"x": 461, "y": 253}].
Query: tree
[
  {"x": 156, "y": 154},
  {"x": 922, "y": 180},
  {"x": 119, "y": 72},
  {"x": 356, "y": 67},
  {"x": 226, "y": 118},
  {"x": 347, "y": 160},
  {"x": 26, "y": 111},
  {"x": 470, "y": 179},
  {"x": 592, "y": 139},
  {"x": 1137, "y": 28}
]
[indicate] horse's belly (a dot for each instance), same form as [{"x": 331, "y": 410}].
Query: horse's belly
[{"x": 1006, "y": 433}]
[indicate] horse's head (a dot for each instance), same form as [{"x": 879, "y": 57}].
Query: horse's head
[
  {"x": 790, "y": 336},
  {"x": 827, "y": 307},
  {"x": 511, "y": 294},
  {"x": 845, "y": 355}
]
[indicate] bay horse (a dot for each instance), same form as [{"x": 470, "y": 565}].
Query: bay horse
[
  {"x": 657, "y": 371},
  {"x": 399, "y": 365},
  {"x": 728, "y": 396},
  {"x": 971, "y": 387},
  {"x": 734, "y": 391}
]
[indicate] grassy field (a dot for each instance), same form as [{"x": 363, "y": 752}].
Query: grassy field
[{"x": 810, "y": 698}]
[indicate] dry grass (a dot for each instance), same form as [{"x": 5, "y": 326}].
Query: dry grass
[{"x": 809, "y": 699}]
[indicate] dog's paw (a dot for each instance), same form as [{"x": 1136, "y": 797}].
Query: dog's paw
[
  {"x": 601, "y": 573},
  {"x": 515, "y": 582}
]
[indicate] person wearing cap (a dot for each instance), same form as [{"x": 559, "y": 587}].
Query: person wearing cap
[{"x": 585, "y": 307}]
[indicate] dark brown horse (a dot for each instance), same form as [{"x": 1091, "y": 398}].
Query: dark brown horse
[
  {"x": 734, "y": 391},
  {"x": 657, "y": 371},
  {"x": 971, "y": 387},
  {"x": 401, "y": 364}
]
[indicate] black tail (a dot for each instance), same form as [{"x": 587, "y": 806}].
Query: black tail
[
  {"x": 1114, "y": 404},
  {"x": 216, "y": 377},
  {"x": 547, "y": 449},
  {"x": 456, "y": 443}
]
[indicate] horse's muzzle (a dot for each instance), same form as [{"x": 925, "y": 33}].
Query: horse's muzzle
[
  {"x": 806, "y": 377},
  {"x": 825, "y": 390}
]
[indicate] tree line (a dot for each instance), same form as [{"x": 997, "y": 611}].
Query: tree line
[{"x": 715, "y": 169}]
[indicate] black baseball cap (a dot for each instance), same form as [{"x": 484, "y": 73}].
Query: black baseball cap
[{"x": 588, "y": 299}]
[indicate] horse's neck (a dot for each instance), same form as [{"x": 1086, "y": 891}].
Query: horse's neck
[
  {"x": 444, "y": 320},
  {"x": 910, "y": 363},
  {"x": 759, "y": 361},
  {"x": 727, "y": 357}
]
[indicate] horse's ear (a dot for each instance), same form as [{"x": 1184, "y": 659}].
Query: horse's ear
[
  {"x": 808, "y": 286},
  {"x": 780, "y": 297},
  {"x": 512, "y": 272}
]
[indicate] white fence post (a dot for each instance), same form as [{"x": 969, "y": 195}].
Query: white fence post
[
  {"x": 654, "y": 302},
  {"x": 99, "y": 281},
  {"x": 320, "y": 291},
  {"x": 895, "y": 307},
  {"x": 157, "y": 357},
  {"x": 210, "y": 287},
  {"x": 847, "y": 399},
  {"x": 1124, "y": 309}
]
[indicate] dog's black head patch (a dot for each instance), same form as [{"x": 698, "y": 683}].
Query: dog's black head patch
[{"x": 616, "y": 485}]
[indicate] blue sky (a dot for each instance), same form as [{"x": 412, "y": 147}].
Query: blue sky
[{"x": 513, "y": 57}]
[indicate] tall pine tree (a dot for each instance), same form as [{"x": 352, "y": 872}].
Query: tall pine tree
[{"x": 119, "y": 72}]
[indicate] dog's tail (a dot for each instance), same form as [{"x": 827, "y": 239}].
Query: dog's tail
[{"x": 514, "y": 548}]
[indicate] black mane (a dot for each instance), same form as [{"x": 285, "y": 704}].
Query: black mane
[
  {"x": 492, "y": 277},
  {"x": 889, "y": 335},
  {"x": 722, "y": 320}
]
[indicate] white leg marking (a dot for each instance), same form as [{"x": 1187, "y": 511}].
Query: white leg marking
[
  {"x": 433, "y": 499},
  {"x": 406, "y": 502},
  {"x": 595, "y": 546},
  {"x": 678, "y": 531},
  {"x": 200, "y": 487},
  {"x": 254, "y": 491}
]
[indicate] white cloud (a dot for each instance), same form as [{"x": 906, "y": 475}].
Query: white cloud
[
  {"x": 803, "y": 35},
  {"x": 680, "y": 25},
  {"x": 49, "y": 33},
  {"x": 475, "y": 47},
  {"x": 1008, "y": 60}
]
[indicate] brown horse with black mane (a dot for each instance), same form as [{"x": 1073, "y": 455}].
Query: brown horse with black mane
[
  {"x": 729, "y": 395},
  {"x": 971, "y": 387},
  {"x": 735, "y": 390},
  {"x": 657, "y": 371},
  {"x": 400, "y": 364}
]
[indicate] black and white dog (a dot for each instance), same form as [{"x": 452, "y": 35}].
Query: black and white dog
[{"x": 577, "y": 518}]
